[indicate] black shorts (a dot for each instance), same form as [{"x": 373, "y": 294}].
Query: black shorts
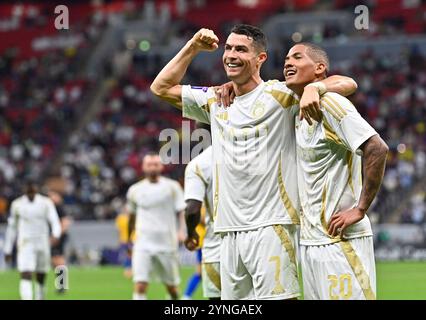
[{"x": 58, "y": 250}]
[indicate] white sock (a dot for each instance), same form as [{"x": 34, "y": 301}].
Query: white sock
[
  {"x": 26, "y": 289},
  {"x": 40, "y": 291},
  {"x": 139, "y": 296}
]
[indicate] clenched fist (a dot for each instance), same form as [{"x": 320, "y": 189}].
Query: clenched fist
[{"x": 205, "y": 40}]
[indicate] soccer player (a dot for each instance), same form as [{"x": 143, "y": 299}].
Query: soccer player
[
  {"x": 255, "y": 202},
  {"x": 198, "y": 191},
  {"x": 195, "y": 279},
  {"x": 122, "y": 225},
  {"x": 57, "y": 250},
  {"x": 341, "y": 162},
  {"x": 154, "y": 204},
  {"x": 30, "y": 217}
]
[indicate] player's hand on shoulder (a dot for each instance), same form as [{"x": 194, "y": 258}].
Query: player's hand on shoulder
[
  {"x": 310, "y": 105},
  {"x": 343, "y": 219},
  {"x": 205, "y": 40},
  {"x": 225, "y": 94}
]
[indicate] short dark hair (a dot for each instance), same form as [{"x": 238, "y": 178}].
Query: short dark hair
[
  {"x": 317, "y": 54},
  {"x": 255, "y": 33}
]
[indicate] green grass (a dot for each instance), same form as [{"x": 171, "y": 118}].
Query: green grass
[
  {"x": 395, "y": 280},
  {"x": 100, "y": 283}
]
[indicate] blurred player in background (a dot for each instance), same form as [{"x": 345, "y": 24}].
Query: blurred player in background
[
  {"x": 156, "y": 209},
  {"x": 255, "y": 204},
  {"x": 57, "y": 251},
  {"x": 198, "y": 191},
  {"x": 336, "y": 187},
  {"x": 125, "y": 255},
  {"x": 195, "y": 279},
  {"x": 30, "y": 217}
]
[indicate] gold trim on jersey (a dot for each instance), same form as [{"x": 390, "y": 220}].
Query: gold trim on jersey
[
  {"x": 216, "y": 194},
  {"x": 286, "y": 100},
  {"x": 206, "y": 108},
  {"x": 213, "y": 275},
  {"x": 271, "y": 82},
  {"x": 333, "y": 108},
  {"x": 349, "y": 160},
  {"x": 210, "y": 101},
  {"x": 358, "y": 269},
  {"x": 206, "y": 201},
  {"x": 208, "y": 208},
  {"x": 337, "y": 105},
  {"x": 285, "y": 198},
  {"x": 200, "y": 174},
  {"x": 330, "y": 134},
  {"x": 322, "y": 216},
  {"x": 286, "y": 242}
]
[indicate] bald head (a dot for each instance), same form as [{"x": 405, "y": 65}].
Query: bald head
[{"x": 152, "y": 166}]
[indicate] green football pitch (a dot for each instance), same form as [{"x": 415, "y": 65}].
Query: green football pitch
[{"x": 401, "y": 280}]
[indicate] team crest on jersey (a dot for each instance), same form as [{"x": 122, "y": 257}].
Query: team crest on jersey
[{"x": 258, "y": 110}]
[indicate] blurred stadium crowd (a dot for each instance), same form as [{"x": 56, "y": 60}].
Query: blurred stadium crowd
[{"x": 44, "y": 93}]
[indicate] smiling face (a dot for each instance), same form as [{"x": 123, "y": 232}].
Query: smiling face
[
  {"x": 300, "y": 69},
  {"x": 241, "y": 59}
]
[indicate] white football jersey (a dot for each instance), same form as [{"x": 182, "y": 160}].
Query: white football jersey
[
  {"x": 330, "y": 169},
  {"x": 198, "y": 186},
  {"x": 254, "y": 155},
  {"x": 156, "y": 206},
  {"x": 31, "y": 220}
]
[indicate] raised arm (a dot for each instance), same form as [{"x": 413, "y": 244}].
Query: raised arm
[
  {"x": 375, "y": 152},
  {"x": 167, "y": 84}
]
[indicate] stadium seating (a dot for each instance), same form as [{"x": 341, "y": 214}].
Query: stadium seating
[{"x": 103, "y": 159}]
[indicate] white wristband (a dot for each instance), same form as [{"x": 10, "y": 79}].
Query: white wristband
[{"x": 320, "y": 87}]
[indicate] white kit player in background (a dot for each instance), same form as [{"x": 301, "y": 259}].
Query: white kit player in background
[
  {"x": 197, "y": 192},
  {"x": 156, "y": 209},
  {"x": 255, "y": 196},
  {"x": 30, "y": 217},
  {"x": 336, "y": 237}
]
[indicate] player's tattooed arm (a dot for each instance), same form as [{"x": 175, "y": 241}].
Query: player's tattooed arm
[
  {"x": 374, "y": 157},
  {"x": 375, "y": 152},
  {"x": 192, "y": 218},
  {"x": 167, "y": 84}
]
